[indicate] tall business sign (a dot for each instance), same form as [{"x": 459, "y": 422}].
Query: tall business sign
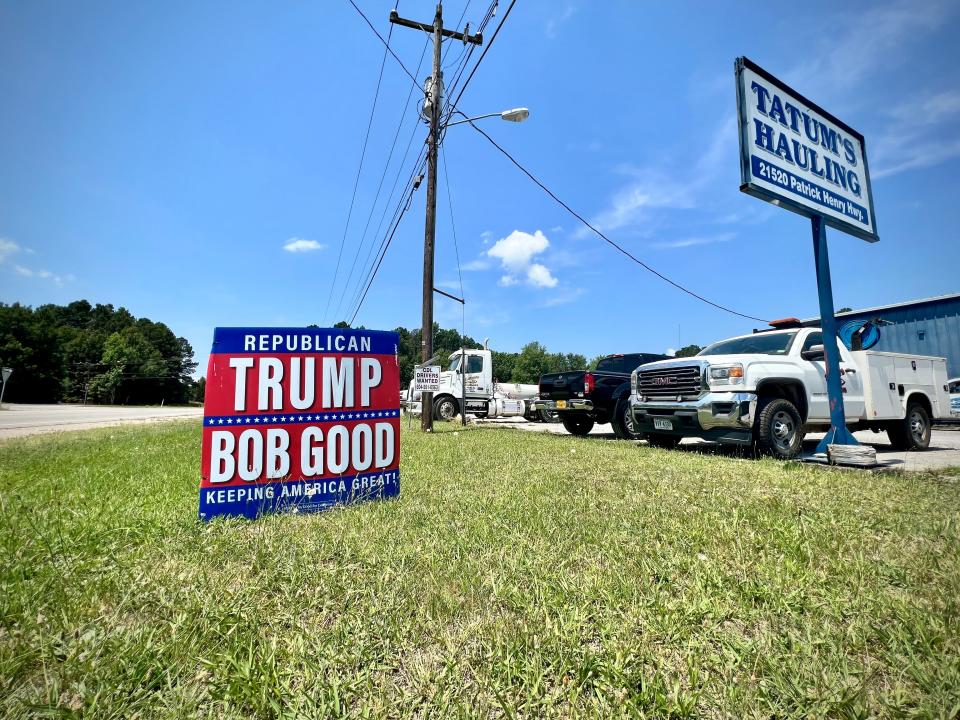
[
  {"x": 796, "y": 155},
  {"x": 299, "y": 419}
]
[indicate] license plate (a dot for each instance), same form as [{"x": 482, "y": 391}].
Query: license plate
[
  {"x": 662, "y": 424},
  {"x": 561, "y": 404}
]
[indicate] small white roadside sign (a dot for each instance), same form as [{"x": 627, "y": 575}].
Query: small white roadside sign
[{"x": 426, "y": 378}]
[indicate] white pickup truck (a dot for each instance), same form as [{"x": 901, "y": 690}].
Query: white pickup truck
[
  {"x": 770, "y": 388},
  {"x": 484, "y": 396}
]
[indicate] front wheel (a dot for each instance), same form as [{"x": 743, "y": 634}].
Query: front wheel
[
  {"x": 445, "y": 408},
  {"x": 578, "y": 425},
  {"x": 622, "y": 421},
  {"x": 779, "y": 432},
  {"x": 913, "y": 432}
]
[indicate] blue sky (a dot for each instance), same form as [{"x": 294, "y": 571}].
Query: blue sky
[{"x": 194, "y": 162}]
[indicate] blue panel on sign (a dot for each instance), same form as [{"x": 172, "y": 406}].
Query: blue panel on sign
[
  {"x": 805, "y": 189},
  {"x": 303, "y": 340}
]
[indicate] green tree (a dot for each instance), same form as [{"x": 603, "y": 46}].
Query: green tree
[
  {"x": 688, "y": 351},
  {"x": 31, "y": 347}
]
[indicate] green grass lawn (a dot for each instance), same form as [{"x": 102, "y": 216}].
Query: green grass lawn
[{"x": 518, "y": 575}]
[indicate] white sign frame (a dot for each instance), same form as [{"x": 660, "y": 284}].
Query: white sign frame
[
  {"x": 769, "y": 171},
  {"x": 426, "y": 378}
]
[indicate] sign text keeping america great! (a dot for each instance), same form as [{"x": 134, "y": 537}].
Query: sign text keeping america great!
[
  {"x": 299, "y": 419},
  {"x": 795, "y": 154}
]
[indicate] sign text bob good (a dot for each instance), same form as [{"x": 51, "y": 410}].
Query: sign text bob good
[
  {"x": 797, "y": 155},
  {"x": 299, "y": 419}
]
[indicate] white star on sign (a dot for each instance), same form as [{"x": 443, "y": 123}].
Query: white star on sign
[{"x": 300, "y": 418}]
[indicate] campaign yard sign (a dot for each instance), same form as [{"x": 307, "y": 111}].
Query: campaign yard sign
[
  {"x": 299, "y": 419},
  {"x": 797, "y": 155}
]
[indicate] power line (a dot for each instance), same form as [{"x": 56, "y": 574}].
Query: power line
[
  {"x": 604, "y": 237},
  {"x": 453, "y": 227},
  {"x": 356, "y": 181},
  {"x": 386, "y": 246},
  {"x": 386, "y": 43},
  {"x": 383, "y": 216},
  {"x": 483, "y": 54},
  {"x": 383, "y": 176}
]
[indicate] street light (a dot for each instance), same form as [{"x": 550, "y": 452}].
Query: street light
[{"x": 516, "y": 115}]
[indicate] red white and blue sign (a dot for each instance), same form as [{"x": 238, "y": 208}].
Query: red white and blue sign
[{"x": 299, "y": 420}]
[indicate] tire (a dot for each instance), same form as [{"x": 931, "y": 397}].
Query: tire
[
  {"x": 578, "y": 425},
  {"x": 548, "y": 416},
  {"x": 622, "y": 421},
  {"x": 779, "y": 431},
  {"x": 445, "y": 408},
  {"x": 659, "y": 440},
  {"x": 913, "y": 432}
]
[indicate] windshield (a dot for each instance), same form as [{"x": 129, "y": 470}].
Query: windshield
[
  {"x": 759, "y": 344},
  {"x": 626, "y": 363}
]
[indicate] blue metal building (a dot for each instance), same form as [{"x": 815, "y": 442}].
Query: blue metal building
[{"x": 919, "y": 327}]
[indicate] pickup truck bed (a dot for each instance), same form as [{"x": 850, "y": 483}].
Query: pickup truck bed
[{"x": 584, "y": 397}]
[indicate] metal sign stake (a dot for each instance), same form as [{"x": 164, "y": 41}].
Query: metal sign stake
[{"x": 838, "y": 433}]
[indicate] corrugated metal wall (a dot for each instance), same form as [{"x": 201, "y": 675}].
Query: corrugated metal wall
[{"x": 925, "y": 329}]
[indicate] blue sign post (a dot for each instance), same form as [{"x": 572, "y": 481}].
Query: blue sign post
[
  {"x": 838, "y": 433},
  {"x": 798, "y": 156}
]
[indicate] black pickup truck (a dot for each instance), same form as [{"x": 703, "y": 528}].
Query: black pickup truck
[{"x": 584, "y": 397}]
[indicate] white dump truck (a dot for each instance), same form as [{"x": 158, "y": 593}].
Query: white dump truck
[
  {"x": 485, "y": 398},
  {"x": 770, "y": 388}
]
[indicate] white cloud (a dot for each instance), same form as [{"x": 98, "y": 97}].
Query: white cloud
[
  {"x": 671, "y": 352},
  {"x": 868, "y": 44},
  {"x": 516, "y": 252},
  {"x": 474, "y": 265},
  {"x": 691, "y": 241},
  {"x": 297, "y": 245},
  {"x": 517, "y": 249},
  {"x": 905, "y": 145},
  {"x": 555, "y": 22},
  {"x": 539, "y": 276},
  {"x": 563, "y": 296},
  {"x": 42, "y": 274},
  {"x": 7, "y": 248},
  {"x": 652, "y": 189}
]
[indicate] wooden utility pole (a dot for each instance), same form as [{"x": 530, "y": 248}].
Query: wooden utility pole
[{"x": 432, "y": 105}]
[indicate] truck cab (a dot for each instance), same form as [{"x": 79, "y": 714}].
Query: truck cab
[
  {"x": 470, "y": 378},
  {"x": 770, "y": 388}
]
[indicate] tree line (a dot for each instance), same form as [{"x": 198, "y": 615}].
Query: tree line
[{"x": 94, "y": 353}]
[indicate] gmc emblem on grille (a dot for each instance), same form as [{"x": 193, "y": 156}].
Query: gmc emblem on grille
[{"x": 669, "y": 380}]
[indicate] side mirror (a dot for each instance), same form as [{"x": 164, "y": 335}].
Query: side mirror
[{"x": 815, "y": 352}]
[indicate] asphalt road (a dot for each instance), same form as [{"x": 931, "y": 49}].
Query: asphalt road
[
  {"x": 944, "y": 450},
  {"x": 20, "y": 420}
]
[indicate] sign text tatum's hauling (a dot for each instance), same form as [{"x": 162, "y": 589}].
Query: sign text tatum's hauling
[{"x": 299, "y": 419}]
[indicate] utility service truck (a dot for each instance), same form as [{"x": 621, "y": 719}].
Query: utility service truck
[
  {"x": 484, "y": 397},
  {"x": 770, "y": 388}
]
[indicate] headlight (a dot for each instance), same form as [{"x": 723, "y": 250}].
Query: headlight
[
  {"x": 726, "y": 374},
  {"x": 633, "y": 382}
]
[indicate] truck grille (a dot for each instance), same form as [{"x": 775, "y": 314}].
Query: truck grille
[{"x": 663, "y": 383}]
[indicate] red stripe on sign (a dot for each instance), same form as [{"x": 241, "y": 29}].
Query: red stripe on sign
[
  {"x": 234, "y": 456},
  {"x": 246, "y": 384}
]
